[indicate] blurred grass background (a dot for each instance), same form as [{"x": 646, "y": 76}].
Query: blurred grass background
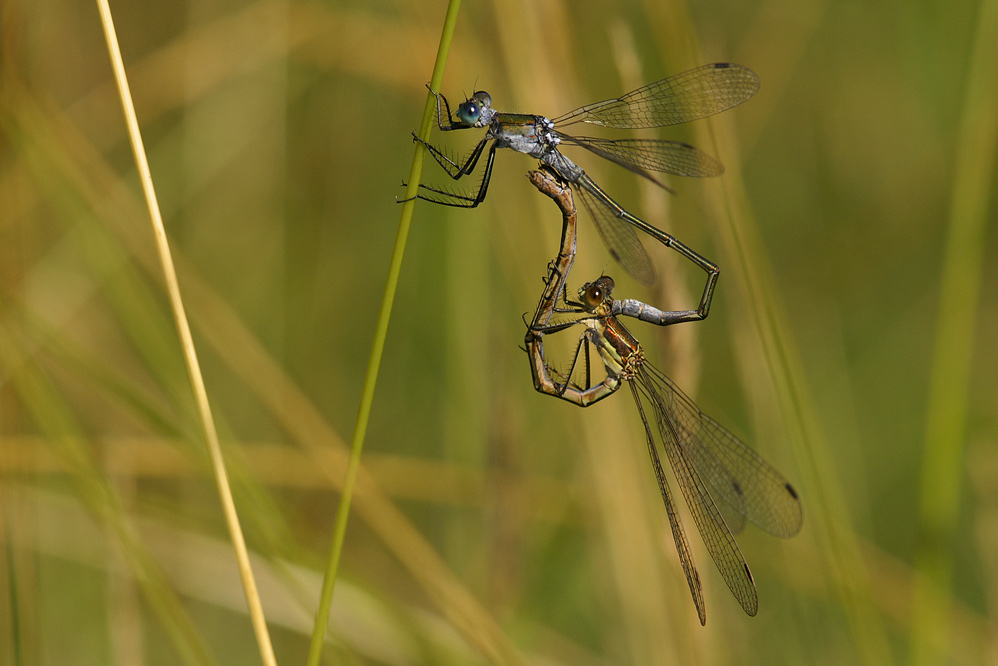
[{"x": 492, "y": 524}]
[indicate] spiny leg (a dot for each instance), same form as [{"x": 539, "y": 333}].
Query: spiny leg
[
  {"x": 447, "y": 198},
  {"x": 453, "y": 169}
]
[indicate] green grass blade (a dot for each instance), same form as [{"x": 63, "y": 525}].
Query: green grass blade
[
  {"x": 378, "y": 344},
  {"x": 946, "y": 418}
]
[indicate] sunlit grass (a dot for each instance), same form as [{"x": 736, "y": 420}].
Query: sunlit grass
[
  {"x": 205, "y": 418},
  {"x": 489, "y": 524}
]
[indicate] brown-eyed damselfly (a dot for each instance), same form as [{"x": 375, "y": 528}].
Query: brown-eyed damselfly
[{"x": 723, "y": 481}]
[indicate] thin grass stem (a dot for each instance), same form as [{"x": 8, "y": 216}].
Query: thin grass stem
[
  {"x": 187, "y": 343},
  {"x": 378, "y": 344}
]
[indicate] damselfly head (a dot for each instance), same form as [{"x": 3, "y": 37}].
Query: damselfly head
[
  {"x": 594, "y": 294},
  {"x": 470, "y": 111}
]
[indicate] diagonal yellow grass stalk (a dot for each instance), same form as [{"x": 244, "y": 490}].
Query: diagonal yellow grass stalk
[
  {"x": 187, "y": 342},
  {"x": 378, "y": 344}
]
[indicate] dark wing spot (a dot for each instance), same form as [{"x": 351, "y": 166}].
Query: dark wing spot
[
  {"x": 790, "y": 489},
  {"x": 749, "y": 574},
  {"x": 737, "y": 488}
]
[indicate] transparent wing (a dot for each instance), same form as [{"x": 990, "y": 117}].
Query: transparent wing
[
  {"x": 681, "y": 98},
  {"x": 733, "y": 518},
  {"x": 675, "y": 157},
  {"x": 678, "y": 533},
  {"x": 716, "y": 536},
  {"x": 734, "y": 472},
  {"x": 617, "y": 234}
]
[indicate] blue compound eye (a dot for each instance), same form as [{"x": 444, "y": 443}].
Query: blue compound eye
[
  {"x": 474, "y": 112},
  {"x": 469, "y": 112}
]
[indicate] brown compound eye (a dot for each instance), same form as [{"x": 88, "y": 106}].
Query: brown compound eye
[
  {"x": 596, "y": 293},
  {"x": 593, "y": 295}
]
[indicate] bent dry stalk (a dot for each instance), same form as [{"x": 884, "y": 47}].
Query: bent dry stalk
[
  {"x": 723, "y": 481},
  {"x": 691, "y": 95}
]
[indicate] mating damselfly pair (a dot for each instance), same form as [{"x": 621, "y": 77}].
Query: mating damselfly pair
[{"x": 722, "y": 480}]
